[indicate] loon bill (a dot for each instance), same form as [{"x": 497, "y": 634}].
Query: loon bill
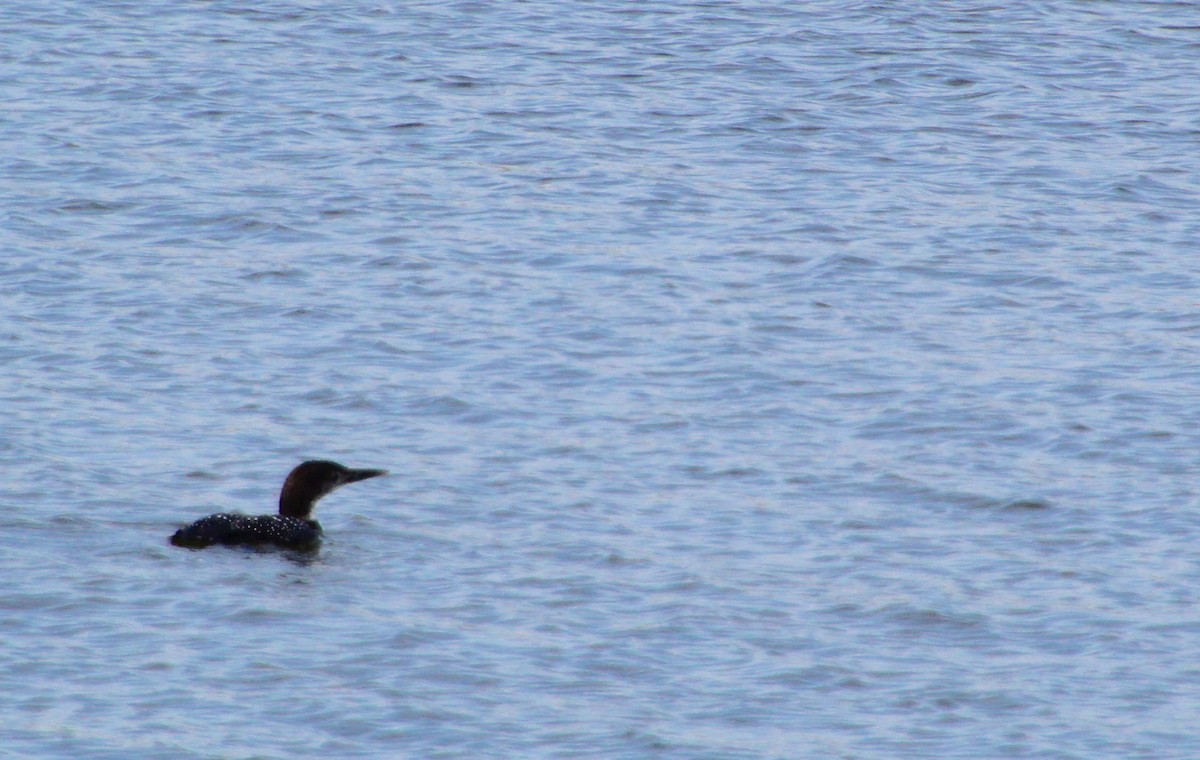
[{"x": 293, "y": 527}]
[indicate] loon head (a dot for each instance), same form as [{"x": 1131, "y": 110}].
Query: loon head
[{"x": 312, "y": 480}]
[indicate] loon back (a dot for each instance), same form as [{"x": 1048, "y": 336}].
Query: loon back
[
  {"x": 232, "y": 529},
  {"x": 292, "y": 528}
]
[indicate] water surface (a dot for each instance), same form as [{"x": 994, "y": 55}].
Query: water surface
[{"x": 759, "y": 380}]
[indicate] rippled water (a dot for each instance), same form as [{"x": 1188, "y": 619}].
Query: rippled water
[{"x": 759, "y": 380}]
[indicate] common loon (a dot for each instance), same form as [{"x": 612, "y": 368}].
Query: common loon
[{"x": 293, "y": 527}]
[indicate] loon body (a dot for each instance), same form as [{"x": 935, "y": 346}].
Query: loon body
[{"x": 293, "y": 527}]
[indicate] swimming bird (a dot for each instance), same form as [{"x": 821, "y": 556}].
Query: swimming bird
[{"x": 293, "y": 527}]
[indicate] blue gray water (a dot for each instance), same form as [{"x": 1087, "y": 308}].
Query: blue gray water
[{"x": 758, "y": 380}]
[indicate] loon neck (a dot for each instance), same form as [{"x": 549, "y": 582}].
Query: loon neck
[
  {"x": 297, "y": 498},
  {"x": 297, "y": 508}
]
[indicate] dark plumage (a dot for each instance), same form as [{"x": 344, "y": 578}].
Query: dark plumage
[{"x": 293, "y": 527}]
